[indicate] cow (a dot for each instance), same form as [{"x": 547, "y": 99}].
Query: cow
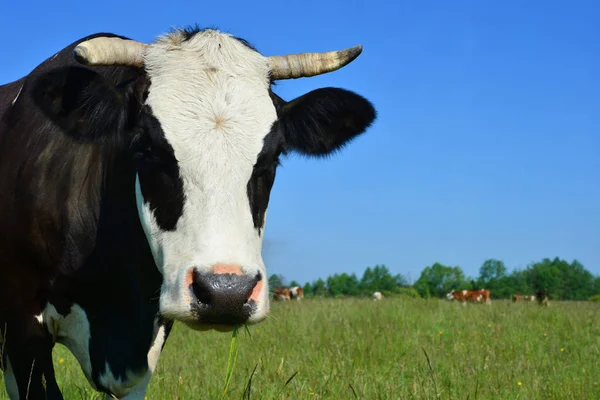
[
  {"x": 134, "y": 181},
  {"x": 462, "y": 296},
  {"x": 516, "y": 298},
  {"x": 542, "y": 297},
  {"x": 473, "y": 296},
  {"x": 483, "y": 296},
  {"x": 377, "y": 296},
  {"x": 296, "y": 292},
  {"x": 282, "y": 294}
]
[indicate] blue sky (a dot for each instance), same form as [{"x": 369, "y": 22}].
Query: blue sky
[{"x": 488, "y": 137}]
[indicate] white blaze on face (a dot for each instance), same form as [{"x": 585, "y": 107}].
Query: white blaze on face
[{"x": 210, "y": 95}]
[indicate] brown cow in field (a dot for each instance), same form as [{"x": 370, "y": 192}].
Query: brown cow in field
[
  {"x": 519, "y": 297},
  {"x": 296, "y": 292},
  {"x": 282, "y": 294},
  {"x": 473, "y": 296}
]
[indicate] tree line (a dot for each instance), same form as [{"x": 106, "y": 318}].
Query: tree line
[{"x": 563, "y": 280}]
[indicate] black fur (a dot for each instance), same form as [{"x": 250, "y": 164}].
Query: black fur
[
  {"x": 316, "y": 124},
  {"x": 83, "y": 103},
  {"x": 263, "y": 176},
  {"x": 190, "y": 31},
  {"x": 324, "y": 121},
  {"x": 69, "y": 230},
  {"x": 158, "y": 171}
]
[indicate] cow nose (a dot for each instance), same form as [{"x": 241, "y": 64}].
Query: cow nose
[{"x": 224, "y": 295}]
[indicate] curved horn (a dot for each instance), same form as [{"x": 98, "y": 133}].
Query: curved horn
[
  {"x": 110, "y": 51},
  {"x": 294, "y": 66}
]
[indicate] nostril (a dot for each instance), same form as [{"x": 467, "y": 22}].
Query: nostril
[
  {"x": 256, "y": 288},
  {"x": 202, "y": 291}
]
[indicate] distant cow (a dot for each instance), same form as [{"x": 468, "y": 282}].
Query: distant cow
[
  {"x": 296, "y": 292},
  {"x": 377, "y": 296},
  {"x": 542, "y": 297},
  {"x": 473, "y": 296},
  {"x": 480, "y": 296},
  {"x": 282, "y": 294},
  {"x": 519, "y": 297}
]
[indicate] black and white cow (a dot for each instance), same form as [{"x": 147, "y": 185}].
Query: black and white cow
[{"x": 134, "y": 184}]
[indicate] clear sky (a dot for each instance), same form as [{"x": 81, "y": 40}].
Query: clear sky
[{"x": 487, "y": 142}]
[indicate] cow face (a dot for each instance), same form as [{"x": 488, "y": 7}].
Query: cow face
[{"x": 207, "y": 147}]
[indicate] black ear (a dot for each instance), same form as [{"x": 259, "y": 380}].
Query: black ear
[
  {"x": 324, "y": 120},
  {"x": 83, "y": 103}
]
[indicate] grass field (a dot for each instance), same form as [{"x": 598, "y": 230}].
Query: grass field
[{"x": 393, "y": 349}]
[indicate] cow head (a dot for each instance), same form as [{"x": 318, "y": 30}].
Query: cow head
[{"x": 209, "y": 134}]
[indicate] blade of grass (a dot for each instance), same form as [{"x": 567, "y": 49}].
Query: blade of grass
[
  {"x": 246, "y": 395},
  {"x": 231, "y": 360}
]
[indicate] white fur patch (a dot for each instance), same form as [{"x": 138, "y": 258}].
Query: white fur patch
[
  {"x": 118, "y": 386},
  {"x": 156, "y": 348},
  {"x": 72, "y": 331},
  {"x": 210, "y": 95},
  {"x": 138, "y": 392}
]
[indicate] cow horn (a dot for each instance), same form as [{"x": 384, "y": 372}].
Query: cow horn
[
  {"x": 110, "y": 51},
  {"x": 293, "y": 66}
]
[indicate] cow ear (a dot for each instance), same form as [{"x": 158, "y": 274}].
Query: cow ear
[
  {"x": 83, "y": 103},
  {"x": 324, "y": 120}
]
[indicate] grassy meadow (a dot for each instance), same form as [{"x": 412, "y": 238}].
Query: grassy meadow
[{"x": 393, "y": 349}]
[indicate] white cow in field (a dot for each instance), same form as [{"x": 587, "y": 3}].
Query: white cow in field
[{"x": 377, "y": 296}]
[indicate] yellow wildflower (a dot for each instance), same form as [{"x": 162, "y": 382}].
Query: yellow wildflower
[{"x": 520, "y": 383}]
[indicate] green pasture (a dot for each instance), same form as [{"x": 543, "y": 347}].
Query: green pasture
[{"x": 394, "y": 349}]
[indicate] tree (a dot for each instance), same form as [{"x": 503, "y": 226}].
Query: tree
[
  {"x": 563, "y": 280},
  {"x": 294, "y": 283},
  {"x": 308, "y": 289},
  {"x": 491, "y": 269},
  {"x": 366, "y": 282},
  {"x": 275, "y": 281},
  {"x": 319, "y": 288},
  {"x": 596, "y": 285},
  {"x": 379, "y": 279},
  {"x": 343, "y": 284},
  {"x": 438, "y": 280}
]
